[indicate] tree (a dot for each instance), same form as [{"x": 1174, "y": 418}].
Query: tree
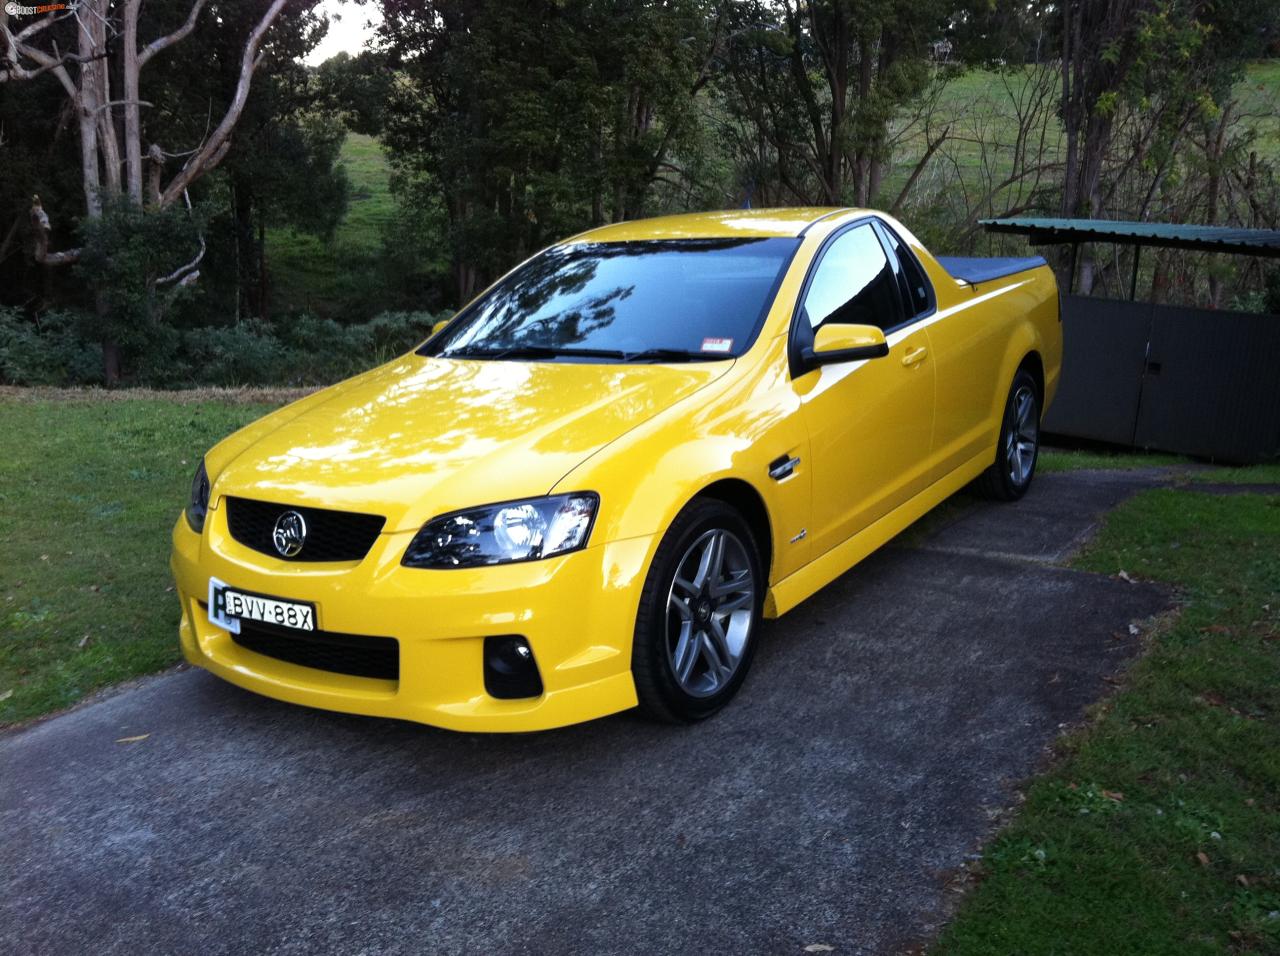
[
  {"x": 1137, "y": 77},
  {"x": 356, "y": 88},
  {"x": 817, "y": 82},
  {"x": 94, "y": 52},
  {"x": 524, "y": 121}
]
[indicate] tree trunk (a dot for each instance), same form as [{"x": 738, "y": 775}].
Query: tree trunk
[
  {"x": 262, "y": 267},
  {"x": 1070, "y": 119},
  {"x": 247, "y": 261},
  {"x": 110, "y": 348},
  {"x": 1215, "y": 149},
  {"x": 132, "y": 106}
]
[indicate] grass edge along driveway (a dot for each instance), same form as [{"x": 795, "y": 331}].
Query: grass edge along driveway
[{"x": 1157, "y": 830}]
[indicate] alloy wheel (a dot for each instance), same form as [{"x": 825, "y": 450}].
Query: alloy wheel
[
  {"x": 710, "y": 612},
  {"x": 1023, "y": 437}
]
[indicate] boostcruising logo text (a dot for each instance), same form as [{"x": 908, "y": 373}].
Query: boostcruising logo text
[{"x": 21, "y": 10}]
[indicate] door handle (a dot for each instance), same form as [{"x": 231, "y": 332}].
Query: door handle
[
  {"x": 782, "y": 467},
  {"x": 915, "y": 356}
]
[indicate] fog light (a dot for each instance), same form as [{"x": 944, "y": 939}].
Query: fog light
[{"x": 510, "y": 672}]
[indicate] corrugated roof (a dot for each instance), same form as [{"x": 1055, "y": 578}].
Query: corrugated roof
[{"x": 1249, "y": 242}]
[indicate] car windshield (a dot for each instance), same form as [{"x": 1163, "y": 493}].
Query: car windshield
[{"x": 656, "y": 300}]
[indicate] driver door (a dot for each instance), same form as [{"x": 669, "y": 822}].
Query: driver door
[{"x": 870, "y": 422}]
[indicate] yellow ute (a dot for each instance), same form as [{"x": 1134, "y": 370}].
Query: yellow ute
[{"x": 584, "y": 492}]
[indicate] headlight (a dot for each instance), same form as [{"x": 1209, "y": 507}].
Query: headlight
[
  {"x": 198, "y": 506},
  {"x": 503, "y": 533}
]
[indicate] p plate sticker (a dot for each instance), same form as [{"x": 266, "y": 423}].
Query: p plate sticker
[
  {"x": 717, "y": 345},
  {"x": 218, "y": 608}
]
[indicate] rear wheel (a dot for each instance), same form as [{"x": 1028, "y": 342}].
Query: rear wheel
[
  {"x": 699, "y": 615},
  {"x": 1018, "y": 448}
]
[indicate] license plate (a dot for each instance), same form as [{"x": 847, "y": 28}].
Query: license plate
[{"x": 229, "y": 606}]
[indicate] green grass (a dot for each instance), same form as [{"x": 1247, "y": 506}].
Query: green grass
[
  {"x": 1158, "y": 831},
  {"x": 978, "y": 109},
  {"x": 1064, "y": 459},
  {"x": 339, "y": 276},
  {"x": 1075, "y": 459},
  {"x": 1258, "y": 95},
  {"x": 1264, "y": 474},
  {"x": 88, "y": 494}
]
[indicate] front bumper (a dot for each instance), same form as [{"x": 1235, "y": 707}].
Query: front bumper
[{"x": 577, "y": 612}]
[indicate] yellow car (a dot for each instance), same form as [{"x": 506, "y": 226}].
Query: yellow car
[{"x": 585, "y": 491}]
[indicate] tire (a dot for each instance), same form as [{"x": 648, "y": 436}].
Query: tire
[
  {"x": 1018, "y": 448},
  {"x": 694, "y": 642}
]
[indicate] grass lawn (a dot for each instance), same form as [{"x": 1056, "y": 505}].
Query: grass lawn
[
  {"x": 980, "y": 109},
  {"x": 1158, "y": 829},
  {"x": 1075, "y": 459},
  {"x": 88, "y": 493}
]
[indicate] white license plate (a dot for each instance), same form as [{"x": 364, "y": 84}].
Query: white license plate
[{"x": 229, "y": 606}]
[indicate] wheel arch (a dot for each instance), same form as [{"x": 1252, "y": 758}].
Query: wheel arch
[
  {"x": 1034, "y": 364},
  {"x": 746, "y": 500}
]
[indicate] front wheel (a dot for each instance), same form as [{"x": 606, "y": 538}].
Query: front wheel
[
  {"x": 1018, "y": 448},
  {"x": 699, "y": 615}
]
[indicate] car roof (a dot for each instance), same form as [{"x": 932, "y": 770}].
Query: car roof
[{"x": 724, "y": 224}]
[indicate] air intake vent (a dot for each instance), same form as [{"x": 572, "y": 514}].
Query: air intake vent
[
  {"x": 352, "y": 654},
  {"x": 330, "y": 535}
]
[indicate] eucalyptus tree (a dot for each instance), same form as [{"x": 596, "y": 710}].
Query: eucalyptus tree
[{"x": 98, "y": 53}]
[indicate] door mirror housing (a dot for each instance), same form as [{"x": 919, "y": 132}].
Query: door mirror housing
[
  {"x": 844, "y": 343},
  {"x": 436, "y": 327}
]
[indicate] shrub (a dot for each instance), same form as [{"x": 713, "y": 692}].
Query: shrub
[
  {"x": 49, "y": 350},
  {"x": 248, "y": 353},
  {"x": 299, "y": 350}
]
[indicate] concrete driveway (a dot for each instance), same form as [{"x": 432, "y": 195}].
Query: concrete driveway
[{"x": 884, "y": 724}]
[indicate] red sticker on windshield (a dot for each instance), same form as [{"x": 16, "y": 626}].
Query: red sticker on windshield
[{"x": 717, "y": 345}]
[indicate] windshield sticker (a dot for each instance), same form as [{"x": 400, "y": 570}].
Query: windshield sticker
[{"x": 717, "y": 345}]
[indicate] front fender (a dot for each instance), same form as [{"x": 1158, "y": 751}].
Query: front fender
[{"x": 732, "y": 433}]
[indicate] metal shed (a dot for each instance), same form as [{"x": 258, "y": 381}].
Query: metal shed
[{"x": 1196, "y": 381}]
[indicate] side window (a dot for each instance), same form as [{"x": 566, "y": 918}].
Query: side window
[
  {"x": 854, "y": 284},
  {"x": 915, "y": 287}
]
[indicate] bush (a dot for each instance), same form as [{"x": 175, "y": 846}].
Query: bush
[
  {"x": 247, "y": 353},
  {"x": 47, "y": 351},
  {"x": 297, "y": 350},
  {"x": 323, "y": 351}
]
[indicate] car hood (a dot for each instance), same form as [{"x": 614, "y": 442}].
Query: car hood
[{"x": 423, "y": 436}]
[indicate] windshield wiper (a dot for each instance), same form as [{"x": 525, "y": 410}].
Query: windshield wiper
[
  {"x": 531, "y": 352},
  {"x": 548, "y": 351}
]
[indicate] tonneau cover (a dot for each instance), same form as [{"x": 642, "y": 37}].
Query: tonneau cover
[{"x": 973, "y": 269}]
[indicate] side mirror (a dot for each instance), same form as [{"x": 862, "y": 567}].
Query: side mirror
[
  {"x": 844, "y": 343},
  {"x": 439, "y": 325}
]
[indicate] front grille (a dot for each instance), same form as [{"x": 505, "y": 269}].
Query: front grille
[
  {"x": 352, "y": 654},
  {"x": 331, "y": 535}
]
